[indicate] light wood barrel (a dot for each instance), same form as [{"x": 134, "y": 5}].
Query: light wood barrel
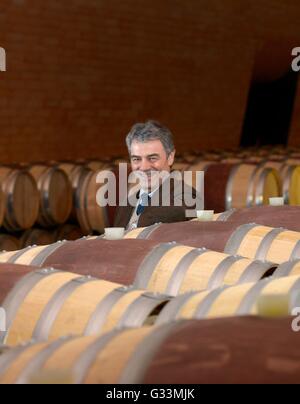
[
  {"x": 167, "y": 268},
  {"x": 9, "y": 243},
  {"x": 231, "y": 301},
  {"x": 55, "y": 194},
  {"x": 21, "y": 199},
  {"x": 48, "y": 304},
  {"x": 175, "y": 269},
  {"x": 264, "y": 243},
  {"x": 165, "y": 355},
  {"x": 289, "y": 268},
  {"x": 36, "y": 237},
  {"x": 291, "y": 184}
]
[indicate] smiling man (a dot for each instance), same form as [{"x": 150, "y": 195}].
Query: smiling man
[{"x": 161, "y": 197}]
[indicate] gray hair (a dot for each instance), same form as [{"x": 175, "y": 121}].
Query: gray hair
[{"x": 151, "y": 130}]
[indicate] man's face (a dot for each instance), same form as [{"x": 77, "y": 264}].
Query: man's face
[{"x": 150, "y": 157}]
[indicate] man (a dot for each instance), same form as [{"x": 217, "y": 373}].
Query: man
[{"x": 161, "y": 198}]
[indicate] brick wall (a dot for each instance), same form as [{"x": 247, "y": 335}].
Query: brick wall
[{"x": 81, "y": 72}]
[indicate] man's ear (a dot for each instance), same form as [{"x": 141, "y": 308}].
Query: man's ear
[{"x": 171, "y": 158}]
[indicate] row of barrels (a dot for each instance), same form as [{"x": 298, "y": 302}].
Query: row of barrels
[
  {"x": 168, "y": 284},
  {"x": 48, "y": 305},
  {"x": 39, "y": 236},
  {"x": 269, "y": 245},
  {"x": 57, "y": 192},
  {"x": 232, "y": 184},
  {"x": 45, "y": 304},
  {"x": 51, "y": 194}
]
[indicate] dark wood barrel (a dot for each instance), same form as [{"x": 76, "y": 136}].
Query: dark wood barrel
[
  {"x": 262, "y": 351},
  {"x": 239, "y": 185},
  {"x": 36, "y": 236},
  {"x": 9, "y": 243},
  {"x": 76, "y": 174},
  {"x": 97, "y": 257},
  {"x": 273, "y": 216},
  {"x": 68, "y": 232},
  {"x": 168, "y": 268},
  {"x": 255, "y": 355},
  {"x": 55, "y": 194},
  {"x": 211, "y": 235},
  {"x": 21, "y": 199}
]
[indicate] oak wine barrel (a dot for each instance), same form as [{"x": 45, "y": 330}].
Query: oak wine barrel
[
  {"x": 264, "y": 243},
  {"x": 229, "y": 301},
  {"x": 9, "y": 243},
  {"x": 55, "y": 194},
  {"x": 67, "y": 232},
  {"x": 253, "y": 241},
  {"x": 262, "y": 351},
  {"x": 36, "y": 237},
  {"x": 239, "y": 185},
  {"x": 273, "y": 216},
  {"x": 167, "y": 268},
  {"x": 21, "y": 199},
  {"x": 289, "y": 268},
  {"x": 48, "y": 304}
]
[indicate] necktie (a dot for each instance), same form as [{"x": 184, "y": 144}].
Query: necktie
[{"x": 144, "y": 201}]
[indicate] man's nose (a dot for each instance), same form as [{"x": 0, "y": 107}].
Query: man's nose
[{"x": 145, "y": 165}]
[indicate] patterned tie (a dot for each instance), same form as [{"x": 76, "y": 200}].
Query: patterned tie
[{"x": 144, "y": 201}]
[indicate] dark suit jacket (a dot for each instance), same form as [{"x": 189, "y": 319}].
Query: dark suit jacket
[{"x": 158, "y": 214}]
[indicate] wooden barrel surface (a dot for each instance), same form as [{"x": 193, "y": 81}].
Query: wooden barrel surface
[
  {"x": 55, "y": 194},
  {"x": 166, "y": 355},
  {"x": 9, "y": 243},
  {"x": 76, "y": 174},
  {"x": 36, "y": 237},
  {"x": 237, "y": 300},
  {"x": 211, "y": 235},
  {"x": 68, "y": 232},
  {"x": 273, "y": 216},
  {"x": 288, "y": 268},
  {"x": 264, "y": 243},
  {"x": 96, "y": 257},
  {"x": 49, "y": 304},
  {"x": 168, "y": 268},
  {"x": 291, "y": 184},
  {"x": 21, "y": 199},
  {"x": 10, "y": 274},
  {"x": 250, "y": 185},
  {"x": 90, "y": 215}
]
